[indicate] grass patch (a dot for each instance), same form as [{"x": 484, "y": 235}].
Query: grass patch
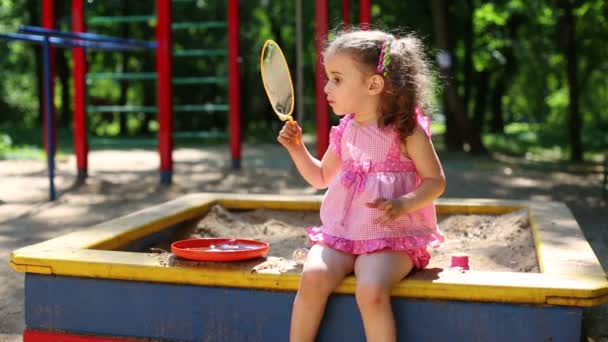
[
  {"x": 27, "y": 143},
  {"x": 539, "y": 142},
  {"x": 534, "y": 142}
]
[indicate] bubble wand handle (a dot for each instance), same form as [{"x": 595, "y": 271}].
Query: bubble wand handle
[{"x": 292, "y": 122}]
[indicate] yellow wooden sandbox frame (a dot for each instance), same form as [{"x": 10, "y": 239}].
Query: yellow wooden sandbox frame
[{"x": 570, "y": 273}]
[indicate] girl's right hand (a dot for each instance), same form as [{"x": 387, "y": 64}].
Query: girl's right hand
[{"x": 291, "y": 135}]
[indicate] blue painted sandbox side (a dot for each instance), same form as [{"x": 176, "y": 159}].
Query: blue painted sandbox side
[{"x": 199, "y": 313}]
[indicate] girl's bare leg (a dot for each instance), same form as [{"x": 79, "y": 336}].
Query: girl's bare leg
[
  {"x": 324, "y": 270},
  {"x": 376, "y": 274}
]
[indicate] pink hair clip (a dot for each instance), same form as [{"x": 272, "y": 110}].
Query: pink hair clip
[{"x": 385, "y": 56}]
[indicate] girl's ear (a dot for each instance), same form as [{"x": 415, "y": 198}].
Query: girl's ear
[{"x": 375, "y": 85}]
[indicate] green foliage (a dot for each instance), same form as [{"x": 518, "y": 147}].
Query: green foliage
[
  {"x": 18, "y": 142},
  {"x": 514, "y": 40},
  {"x": 541, "y": 143},
  {"x": 18, "y": 93},
  {"x": 5, "y": 142}
]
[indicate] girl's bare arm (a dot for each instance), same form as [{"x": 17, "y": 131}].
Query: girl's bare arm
[{"x": 318, "y": 173}]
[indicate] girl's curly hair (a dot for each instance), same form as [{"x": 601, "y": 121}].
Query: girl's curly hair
[{"x": 407, "y": 82}]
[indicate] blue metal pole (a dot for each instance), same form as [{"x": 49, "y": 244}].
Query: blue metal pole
[
  {"x": 48, "y": 112},
  {"x": 61, "y": 42},
  {"x": 87, "y": 36}
]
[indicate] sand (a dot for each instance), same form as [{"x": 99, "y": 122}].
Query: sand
[
  {"x": 124, "y": 181},
  {"x": 492, "y": 242}
]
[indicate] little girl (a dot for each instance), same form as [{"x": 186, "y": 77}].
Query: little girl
[{"x": 382, "y": 175}]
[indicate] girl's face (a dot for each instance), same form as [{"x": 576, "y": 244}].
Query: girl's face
[{"x": 347, "y": 85}]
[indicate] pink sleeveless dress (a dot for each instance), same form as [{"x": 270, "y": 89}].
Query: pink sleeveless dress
[{"x": 374, "y": 167}]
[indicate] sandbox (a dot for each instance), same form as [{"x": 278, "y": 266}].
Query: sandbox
[{"x": 104, "y": 281}]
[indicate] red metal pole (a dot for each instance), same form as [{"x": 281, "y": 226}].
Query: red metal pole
[
  {"x": 164, "y": 89},
  {"x": 345, "y": 14},
  {"x": 48, "y": 21},
  {"x": 321, "y": 20},
  {"x": 81, "y": 147},
  {"x": 365, "y": 14},
  {"x": 234, "y": 96}
]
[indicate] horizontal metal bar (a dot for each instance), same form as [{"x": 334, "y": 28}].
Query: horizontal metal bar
[
  {"x": 22, "y": 37},
  {"x": 150, "y": 109},
  {"x": 202, "y": 134},
  {"x": 123, "y": 141},
  {"x": 152, "y": 76},
  {"x": 67, "y": 43},
  {"x": 199, "y": 80},
  {"x": 154, "y": 142},
  {"x": 85, "y": 36},
  {"x": 120, "y": 19},
  {"x": 199, "y": 25},
  {"x": 201, "y": 108},
  {"x": 122, "y": 109},
  {"x": 122, "y": 76},
  {"x": 200, "y": 52}
]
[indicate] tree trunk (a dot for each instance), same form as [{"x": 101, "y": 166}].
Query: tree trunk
[
  {"x": 497, "y": 124},
  {"x": 124, "y": 87},
  {"x": 468, "y": 54},
  {"x": 64, "y": 75},
  {"x": 503, "y": 79},
  {"x": 150, "y": 99},
  {"x": 575, "y": 120},
  {"x": 33, "y": 8},
  {"x": 480, "y": 102},
  {"x": 64, "y": 79},
  {"x": 458, "y": 127}
]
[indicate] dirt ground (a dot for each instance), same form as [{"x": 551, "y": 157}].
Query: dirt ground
[{"x": 124, "y": 181}]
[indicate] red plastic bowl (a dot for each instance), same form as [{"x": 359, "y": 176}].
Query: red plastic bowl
[{"x": 219, "y": 249}]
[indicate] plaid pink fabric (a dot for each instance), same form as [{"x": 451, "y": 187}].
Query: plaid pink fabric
[{"x": 373, "y": 167}]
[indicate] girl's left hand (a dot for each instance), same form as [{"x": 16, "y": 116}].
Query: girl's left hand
[{"x": 392, "y": 209}]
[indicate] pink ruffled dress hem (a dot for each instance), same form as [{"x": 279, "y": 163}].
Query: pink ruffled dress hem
[{"x": 414, "y": 246}]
